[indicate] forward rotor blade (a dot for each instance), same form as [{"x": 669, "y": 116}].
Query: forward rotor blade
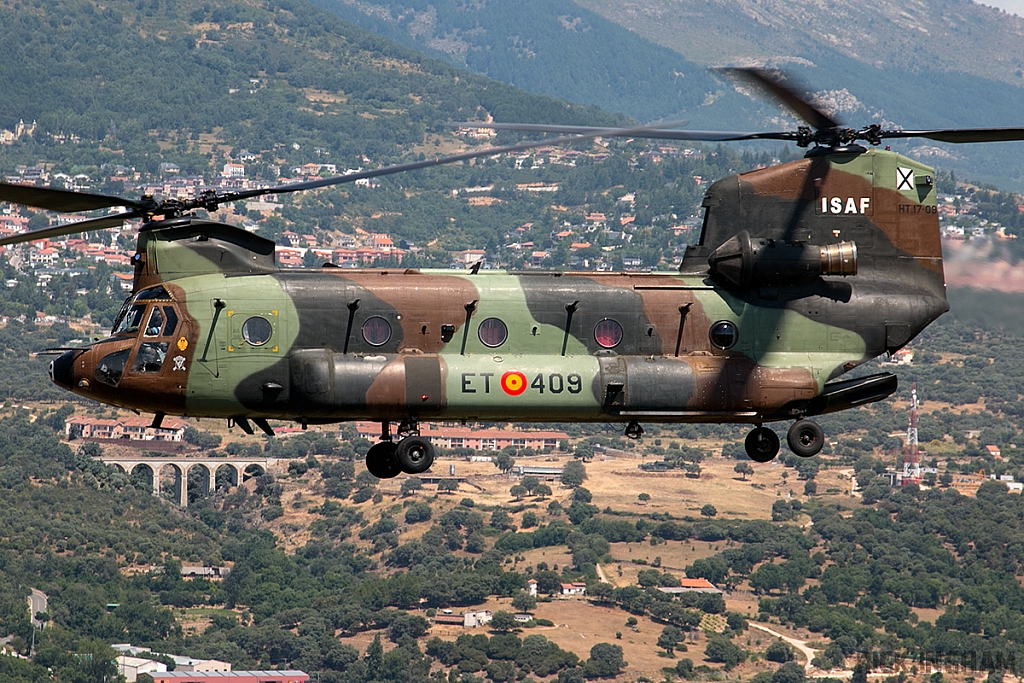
[
  {"x": 71, "y": 228},
  {"x": 960, "y": 135},
  {"x": 818, "y": 119},
  {"x": 643, "y": 132},
  {"x": 427, "y": 163},
  {"x": 55, "y": 199}
]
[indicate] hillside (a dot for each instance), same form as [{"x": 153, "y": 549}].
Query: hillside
[
  {"x": 543, "y": 46},
  {"x": 870, "y": 62},
  {"x": 187, "y": 82},
  {"x": 946, "y": 35}
]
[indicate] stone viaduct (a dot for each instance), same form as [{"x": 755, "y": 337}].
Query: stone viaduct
[{"x": 236, "y": 470}]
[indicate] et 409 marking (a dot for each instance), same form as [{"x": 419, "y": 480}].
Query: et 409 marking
[{"x": 515, "y": 383}]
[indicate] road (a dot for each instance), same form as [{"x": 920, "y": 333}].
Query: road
[
  {"x": 809, "y": 653},
  {"x": 37, "y": 602}
]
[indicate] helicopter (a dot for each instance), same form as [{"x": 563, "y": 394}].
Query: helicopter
[{"x": 803, "y": 271}]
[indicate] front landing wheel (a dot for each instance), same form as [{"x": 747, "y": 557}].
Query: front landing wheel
[
  {"x": 381, "y": 461},
  {"x": 415, "y": 454},
  {"x": 805, "y": 438},
  {"x": 762, "y": 444}
]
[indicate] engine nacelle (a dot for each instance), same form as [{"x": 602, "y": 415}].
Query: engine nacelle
[{"x": 746, "y": 261}]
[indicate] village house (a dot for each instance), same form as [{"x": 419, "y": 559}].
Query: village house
[
  {"x": 574, "y": 588},
  {"x": 129, "y": 428},
  {"x": 690, "y": 586}
]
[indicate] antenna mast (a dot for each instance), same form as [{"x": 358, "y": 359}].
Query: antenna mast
[{"x": 911, "y": 457}]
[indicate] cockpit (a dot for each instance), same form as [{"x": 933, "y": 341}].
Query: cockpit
[{"x": 147, "y": 326}]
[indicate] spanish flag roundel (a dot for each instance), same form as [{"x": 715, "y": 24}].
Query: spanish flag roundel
[{"x": 513, "y": 383}]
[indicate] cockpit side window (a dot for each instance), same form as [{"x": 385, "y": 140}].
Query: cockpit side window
[
  {"x": 156, "y": 323},
  {"x": 150, "y": 357},
  {"x": 172, "y": 320}
]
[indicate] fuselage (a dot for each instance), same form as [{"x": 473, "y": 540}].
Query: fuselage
[
  {"x": 803, "y": 272},
  {"x": 331, "y": 344}
]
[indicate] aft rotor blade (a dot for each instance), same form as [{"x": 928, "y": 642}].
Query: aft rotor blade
[
  {"x": 55, "y": 199},
  {"x": 427, "y": 163},
  {"x": 642, "y": 132},
  {"x": 71, "y": 228},
  {"x": 959, "y": 135},
  {"x": 818, "y": 119}
]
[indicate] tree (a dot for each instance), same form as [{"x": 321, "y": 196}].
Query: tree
[
  {"x": 574, "y": 473},
  {"x": 584, "y": 451},
  {"x": 524, "y": 602},
  {"x": 542, "y": 491},
  {"x": 503, "y": 621},
  {"x": 722, "y": 650},
  {"x": 417, "y": 512},
  {"x": 744, "y": 469},
  {"x": 504, "y": 461},
  {"x": 708, "y": 510},
  {"x": 684, "y": 668},
  {"x": 518, "y": 491},
  {"x": 411, "y": 484},
  {"x": 643, "y": 497},
  {"x": 789, "y": 673},
  {"x": 500, "y": 519},
  {"x": 448, "y": 485},
  {"x": 606, "y": 661},
  {"x": 779, "y": 651},
  {"x": 581, "y": 495},
  {"x": 669, "y": 638}
]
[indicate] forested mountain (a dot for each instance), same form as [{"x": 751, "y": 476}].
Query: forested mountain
[
  {"x": 872, "y": 62},
  {"x": 150, "y": 81},
  {"x": 554, "y": 47}
]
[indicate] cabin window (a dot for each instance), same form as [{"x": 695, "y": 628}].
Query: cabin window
[
  {"x": 111, "y": 367},
  {"x": 608, "y": 333},
  {"x": 376, "y": 331},
  {"x": 724, "y": 334},
  {"x": 492, "y": 332},
  {"x": 257, "y": 331},
  {"x": 150, "y": 357}
]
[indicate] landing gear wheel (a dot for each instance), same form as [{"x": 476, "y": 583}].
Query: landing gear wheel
[
  {"x": 805, "y": 438},
  {"x": 415, "y": 454},
  {"x": 381, "y": 461},
  {"x": 761, "y": 444}
]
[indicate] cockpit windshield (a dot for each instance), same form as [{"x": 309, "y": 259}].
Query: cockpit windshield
[{"x": 131, "y": 321}]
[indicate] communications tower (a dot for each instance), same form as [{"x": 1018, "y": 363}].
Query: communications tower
[{"x": 911, "y": 457}]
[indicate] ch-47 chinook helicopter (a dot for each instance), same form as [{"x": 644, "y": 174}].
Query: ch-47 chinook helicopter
[{"x": 803, "y": 271}]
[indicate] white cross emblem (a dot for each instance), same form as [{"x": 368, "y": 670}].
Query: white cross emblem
[
  {"x": 904, "y": 178},
  {"x": 179, "y": 362}
]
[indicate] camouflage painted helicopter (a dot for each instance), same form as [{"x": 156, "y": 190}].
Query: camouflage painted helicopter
[{"x": 803, "y": 272}]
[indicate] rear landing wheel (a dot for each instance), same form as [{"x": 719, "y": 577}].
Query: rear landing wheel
[
  {"x": 805, "y": 438},
  {"x": 381, "y": 461},
  {"x": 761, "y": 444},
  {"x": 415, "y": 454}
]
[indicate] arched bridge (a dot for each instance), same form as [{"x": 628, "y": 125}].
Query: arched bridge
[{"x": 234, "y": 470}]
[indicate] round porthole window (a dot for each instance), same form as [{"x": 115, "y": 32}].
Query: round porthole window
[
  {"x": 608, "y": 333},
  {"x": 257, "y": 331},
  {"x": 492, "y": 332},
  {"x": 724, "y": 334},
  {"x": 376, "y": 331}
]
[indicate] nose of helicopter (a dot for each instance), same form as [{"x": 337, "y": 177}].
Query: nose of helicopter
[{"x": 62, "y": 369}]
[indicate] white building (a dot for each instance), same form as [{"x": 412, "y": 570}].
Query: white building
[{"x": 130, "y": 667}]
